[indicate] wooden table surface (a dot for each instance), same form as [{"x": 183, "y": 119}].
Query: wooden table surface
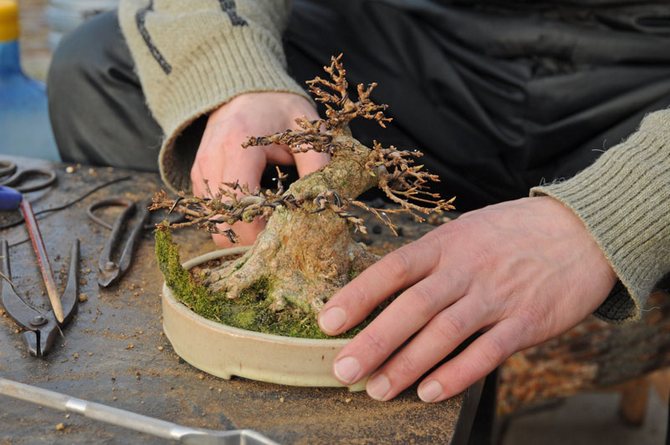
[{"x": 114, "y": 352}]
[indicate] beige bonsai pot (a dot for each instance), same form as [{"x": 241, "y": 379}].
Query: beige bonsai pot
[{"x": 225, "y": 351}]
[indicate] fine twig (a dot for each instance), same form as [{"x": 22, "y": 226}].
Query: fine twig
[
  {"x": 340, "y": 108},
  {"x": 403, "y": 182}
]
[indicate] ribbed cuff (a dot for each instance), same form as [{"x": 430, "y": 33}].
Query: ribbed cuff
[
  {"x": 624, "y": 201},
  {"x": 222, "y": 68}
]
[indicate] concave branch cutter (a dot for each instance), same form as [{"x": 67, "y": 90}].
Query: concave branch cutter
[
  {"x": 109, "y": 270},
  {"x": 41, "y": 328}
]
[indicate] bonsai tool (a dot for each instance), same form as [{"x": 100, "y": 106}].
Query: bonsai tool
[
  {"x": 25, "y": 180},
  {"x": 109, "y": 270},
  {"x": 11, "y": 199},
  {"x": 130, "y": 420},
  {"x": 41, "y": 328}
]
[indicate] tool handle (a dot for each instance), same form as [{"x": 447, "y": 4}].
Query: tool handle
[
  {"x": 96, "y": 411},
  {"x": 42, "y": 259},
  {"x": 9, "y": 198},
  {"x": 136, "y": 232}
]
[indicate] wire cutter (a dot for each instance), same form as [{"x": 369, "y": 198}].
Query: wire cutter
[{"x": 40, "y": 328}]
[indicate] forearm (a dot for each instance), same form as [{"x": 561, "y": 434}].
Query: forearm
[
  {"x": 624, "y": 201},
  {"x": 194, "y": 56}
]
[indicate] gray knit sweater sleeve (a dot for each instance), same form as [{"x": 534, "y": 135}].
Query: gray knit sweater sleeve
[
  {"x": 624, "y": 201},
  {"x": 193, "y": 56}
]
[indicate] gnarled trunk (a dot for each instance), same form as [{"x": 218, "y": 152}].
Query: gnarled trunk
[{"x": 304, "y": 255}]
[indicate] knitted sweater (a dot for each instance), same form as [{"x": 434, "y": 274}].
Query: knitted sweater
[{"x": 194, "y": 56}]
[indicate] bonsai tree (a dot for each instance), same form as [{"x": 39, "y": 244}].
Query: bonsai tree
[{"x": 306, "y": 251}]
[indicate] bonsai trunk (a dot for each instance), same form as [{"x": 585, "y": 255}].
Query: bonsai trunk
[{"x": 306, "y": 254}]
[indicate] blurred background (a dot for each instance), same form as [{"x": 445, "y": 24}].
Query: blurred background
[{"x": 44, "y": 22}]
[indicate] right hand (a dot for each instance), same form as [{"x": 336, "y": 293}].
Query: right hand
[
  {"x": 519, "y": 272},
  {"x": 221, "y": 158}
]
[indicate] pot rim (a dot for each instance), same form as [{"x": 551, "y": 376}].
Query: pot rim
[{"x": 216, "y": 254}]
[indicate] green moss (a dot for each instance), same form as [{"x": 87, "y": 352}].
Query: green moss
[
  {"x": 257, "y": 291},
  {"x": 184, "y": 287},
  {"x": 250, "y": 310},
  {"x": 245, "y": 319}
]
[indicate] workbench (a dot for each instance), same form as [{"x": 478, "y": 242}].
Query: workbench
[{"x": 114, "y": 351}]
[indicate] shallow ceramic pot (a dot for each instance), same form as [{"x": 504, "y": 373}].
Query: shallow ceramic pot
[{"x": 225, "y": 351}]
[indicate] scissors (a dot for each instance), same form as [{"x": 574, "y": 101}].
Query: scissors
[{"x": 25, "y": 180}]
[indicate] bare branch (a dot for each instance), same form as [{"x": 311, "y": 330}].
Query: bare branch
[
  {"x": 340, "y": 108},
  {"x": 308, "y": 137},
  {"x": 225, "y": 207},
  {"x": 403, "y": 182}
]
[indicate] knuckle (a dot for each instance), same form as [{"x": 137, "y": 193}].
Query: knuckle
[
  {"x": 491, "y": 298},
  {"x": 458, "y": 228},
  {"x": 226, "y": 135},
  {"x": 231, "y": 141},
  {"x": 407, "y": 366},
  {"x": 470, "y": 237},
  {"x": 375, "y": 342},
  {"x": 203, "y": 158},
  {"x": 494, "y": 351},
  {"x": 359, "y": 297},
  {"x": 423, "y": 301},
  {"x": 445, "y": 236},
  {"x": 482, "y": 257},
  {"x": 535, "y": 321},
  {"x": 450, "y": 326},
  {"x": 398, "y": 264}
]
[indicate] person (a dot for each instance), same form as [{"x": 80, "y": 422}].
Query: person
[{"x": 504, "y": 97}]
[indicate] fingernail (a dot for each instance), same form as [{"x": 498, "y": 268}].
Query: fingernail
[
  {"x": 378, "y": 387},
  {"x": 430, "y": 391},
  {"x": 346, "y": 369},
  {"x": 332, "y": 320}
]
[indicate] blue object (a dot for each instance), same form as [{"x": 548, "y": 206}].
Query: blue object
[
  {"x": 25, "y": 129},
  {"x": 9, "y": 198}
]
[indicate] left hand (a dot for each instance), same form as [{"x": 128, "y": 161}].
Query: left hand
[
  {"x": 220, "y": 158},
  {"x": 521, "y": 271}
]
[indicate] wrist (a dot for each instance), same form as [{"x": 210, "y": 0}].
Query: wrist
[{"x": 573, "y": 225}]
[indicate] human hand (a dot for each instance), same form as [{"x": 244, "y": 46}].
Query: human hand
[
  {"x": 522, "y": 272},
  {"x": 221, "y": 158}
]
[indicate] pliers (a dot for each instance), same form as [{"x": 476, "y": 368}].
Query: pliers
[{"x": 40, "y": 327}]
